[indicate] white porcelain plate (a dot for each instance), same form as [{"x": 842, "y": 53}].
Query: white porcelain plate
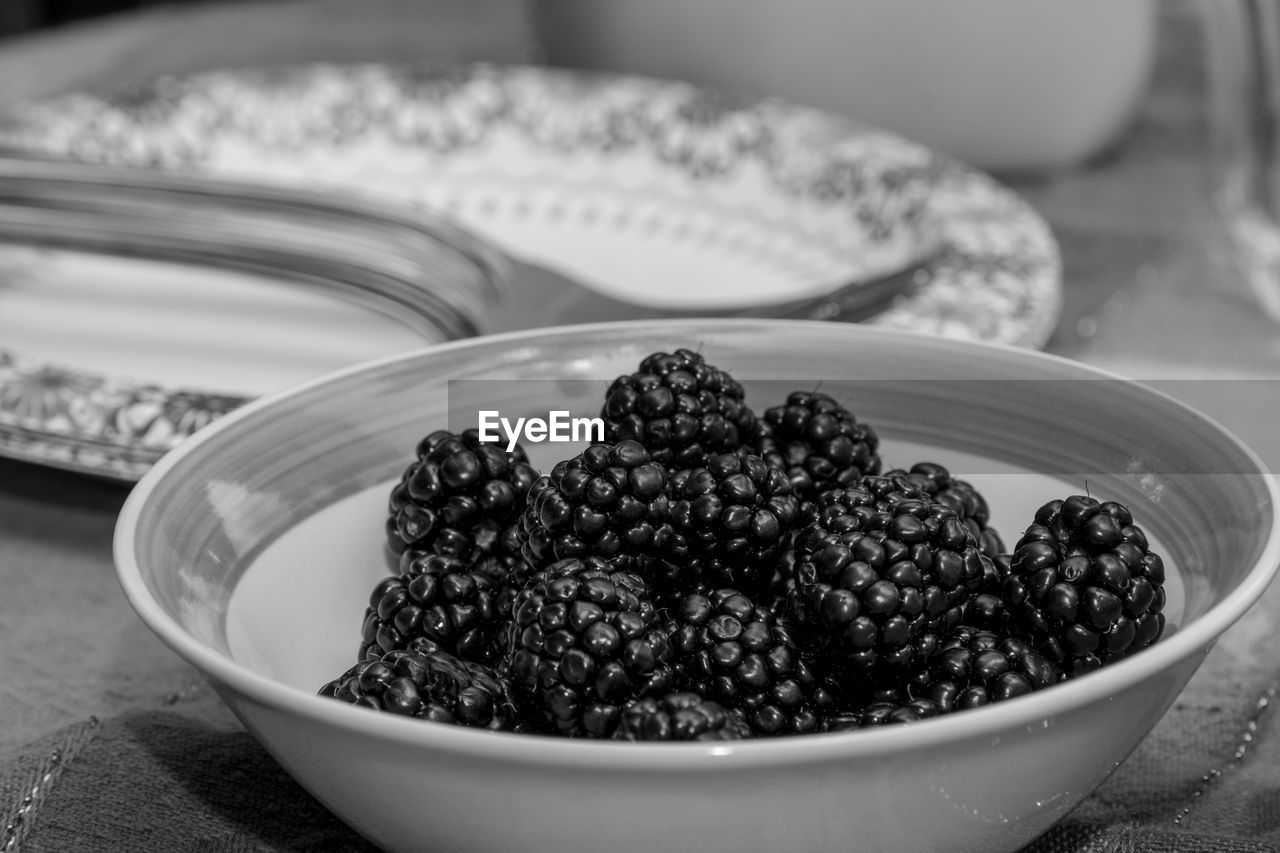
[{"x": 656, "y": 196}]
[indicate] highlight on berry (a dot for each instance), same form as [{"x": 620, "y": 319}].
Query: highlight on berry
[{"x": 706, "y": 573}]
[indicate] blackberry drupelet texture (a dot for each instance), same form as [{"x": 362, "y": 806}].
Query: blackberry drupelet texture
[
  {"x": 610, "y": 501},
  {"x": 986, "y": 608},
  {"x": 442, "y": 599},
  {"x": 883, "y": 573},
  {"x": 431, "y": 685},
  {"x": 459, "y": 498},
  {"x": 1084, "y": 586},
  {"x": 818, "y": 443},
  {"x": 588, "y": 642},
  {"x": 969, "y": 504},
  {"x": 973, "y": 668},
  {"x": 680, "y": 408},
  {"x": 734, "y": 518},
  {"x": 679, "y": 717},
  {"x": 743, "y": 656}
]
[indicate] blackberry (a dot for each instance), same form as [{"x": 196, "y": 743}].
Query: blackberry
[
  {"x": 974, "y": 668},
  {"x": 731, "y": 650},
  {"x": 735, "y": 518},
  {"x": 679, "y": 716},
  {"x": 882, "y": 575},
  {"x": 589, "y": 641},
  {"x": 1084, "y": 585},
  {"x": 610, "y": 501},
  {"x": 969, "y": 504},
  {"x": 441, "y": 599},
  {"x": 460, "y": 498},
  {"x": 680, "y": 408},
  {"x": 431, "y": 685},
  {"x": 818, "y": 443}
]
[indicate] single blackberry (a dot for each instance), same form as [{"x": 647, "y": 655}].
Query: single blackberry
[
  {"x": 432, "y": 685},
  {"x": 739, "y": 654},
  {"x": 960, "y": 495},
  {"x": 679, "y": 407},
  {"x": 679, "y": 716},
  {"x": 460, "y": 498},
  {"x": 818, "y": 443},
  {"x": 974, "y": 668},
  {"x": 609, "y": 501},
  {"x": 1084, "y": 585},
  {"x": 881, "y": 575},
  {"x": 589, "y": 641},
  {"x": 734, "y": 518},
  {"x": 441, "y": 599}
]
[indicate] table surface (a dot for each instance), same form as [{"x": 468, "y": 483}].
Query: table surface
[{"x": 1145, "y": 293}]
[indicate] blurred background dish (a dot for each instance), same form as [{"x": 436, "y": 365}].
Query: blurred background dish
[
  {"x": 137, "y": 307},
  {"x": 973, "y": 80},
  {"x": 661, "y": 198},
  {"x": 1007, "y": 85}
]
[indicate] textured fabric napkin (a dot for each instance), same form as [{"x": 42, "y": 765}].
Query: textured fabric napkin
[{"x": 162, "y": 781}]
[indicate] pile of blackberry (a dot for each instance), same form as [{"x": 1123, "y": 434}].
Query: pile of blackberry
[{"x": 707, "y": 574}]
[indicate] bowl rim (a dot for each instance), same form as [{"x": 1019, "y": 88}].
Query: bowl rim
[{"x": 1033, "y": 710}]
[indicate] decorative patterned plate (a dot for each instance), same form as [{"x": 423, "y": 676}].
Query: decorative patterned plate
[{"x": 661, "y": 197}]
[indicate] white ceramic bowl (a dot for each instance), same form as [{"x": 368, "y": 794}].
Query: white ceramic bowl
[{"x": 251, "y": 548}]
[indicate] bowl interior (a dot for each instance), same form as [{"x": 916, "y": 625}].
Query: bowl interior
[{"x": 260, "y": 539}]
